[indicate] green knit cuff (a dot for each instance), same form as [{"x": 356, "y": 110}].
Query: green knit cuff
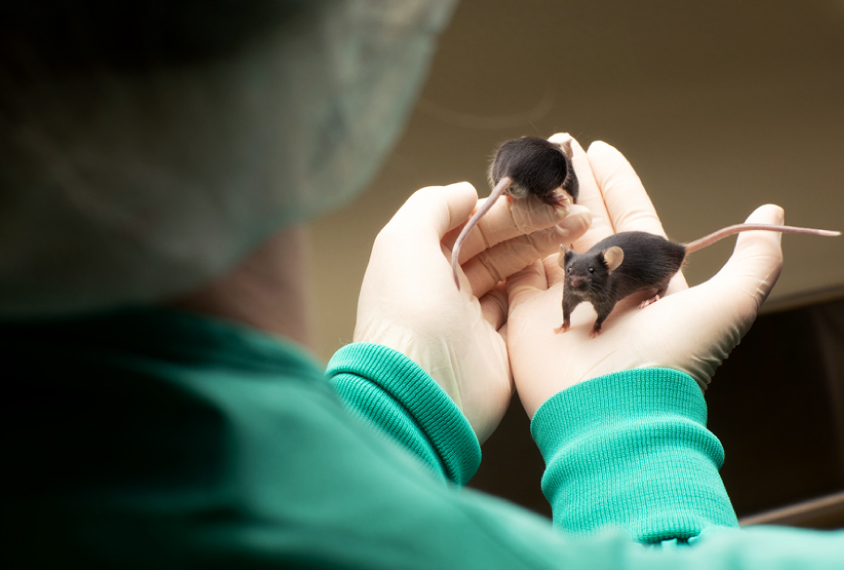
[
  {"x": 631, "y": 450},
  {"x": 392, "y": 392}
]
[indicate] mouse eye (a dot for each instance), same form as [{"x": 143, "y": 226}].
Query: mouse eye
[
  {"x": 591, "y": 270},
  {"x": 568, "y": 270}
]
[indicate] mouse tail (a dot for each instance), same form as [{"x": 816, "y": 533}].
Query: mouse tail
[
  {"x": 738, "y": 228},
  {"x": 500, "y": 188}
]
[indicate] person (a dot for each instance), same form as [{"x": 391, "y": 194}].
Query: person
[{"x": 162, "y": 409}]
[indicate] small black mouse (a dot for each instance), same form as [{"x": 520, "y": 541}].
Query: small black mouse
[
  {"x": 536, "y": 167},
  {"x": 629, "y": 262},
  {"x": 527, "y": 166}
]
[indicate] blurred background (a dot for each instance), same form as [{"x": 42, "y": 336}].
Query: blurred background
[{"x": 720, "y": 106}]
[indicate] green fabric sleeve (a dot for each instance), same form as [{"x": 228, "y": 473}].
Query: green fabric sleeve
[
  {"x": 631, "y": 451},
  {"x": 392, "y": 393}
]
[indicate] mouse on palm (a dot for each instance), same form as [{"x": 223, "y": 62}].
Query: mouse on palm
[
  {"x": 630, "y": 262},
  {"x": 527, "y": 166}
]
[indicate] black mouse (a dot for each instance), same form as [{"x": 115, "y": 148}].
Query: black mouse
[
  {"x": 536, "y": 167},
  {"x": 629, "y": 262},
  {"x": 527, "y": 166}
]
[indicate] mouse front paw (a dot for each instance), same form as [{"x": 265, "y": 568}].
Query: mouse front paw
[{"x": 558, "y": 198}]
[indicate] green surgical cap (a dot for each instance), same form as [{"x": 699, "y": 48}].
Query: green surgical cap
[{"x": 145, "y": 147}]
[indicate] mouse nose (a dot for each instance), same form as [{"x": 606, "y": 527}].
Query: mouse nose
[{"x": 578, "y": 282}]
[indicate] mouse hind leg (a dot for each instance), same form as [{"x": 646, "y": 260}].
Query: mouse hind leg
[{"x": 660, "y": 293}]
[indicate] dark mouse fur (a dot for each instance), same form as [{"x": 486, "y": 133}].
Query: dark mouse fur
[
  {"x": 616, "y": 267},
  {"x": 629, "y": 262},
  {"x": 527, "y": 166},
  {"x": 537, "y": 167}
]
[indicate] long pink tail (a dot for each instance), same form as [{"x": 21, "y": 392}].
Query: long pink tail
[
  {"x": 730, "y": 230},
  {"x": 496, "y": 193}
]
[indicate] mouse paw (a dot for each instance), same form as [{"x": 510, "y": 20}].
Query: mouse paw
[
  {"x": 562, "y": 328},
  {"x": 596, "y": 332},
  {"x": 650, "y": 301},
  {"x": 558, "y": 199}
]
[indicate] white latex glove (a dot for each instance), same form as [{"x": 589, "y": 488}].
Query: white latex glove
[
  {"x": 691, "y": 330},
  {"x": 409, "y": 302}
]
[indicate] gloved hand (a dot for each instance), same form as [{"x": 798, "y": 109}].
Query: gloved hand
[
  {"x": 691, "y": 330},
  {"x": 409, "y": 302}
]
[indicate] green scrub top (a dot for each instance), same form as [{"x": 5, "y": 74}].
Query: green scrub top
[{"x": 151, "y": 438}]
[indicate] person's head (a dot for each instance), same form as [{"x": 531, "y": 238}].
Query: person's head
[{"x": 147, "y": 145}]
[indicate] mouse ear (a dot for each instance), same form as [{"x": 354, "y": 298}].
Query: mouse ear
[
  {"x": 565, "y": 253},
  {"x": 613, "y": 256}
]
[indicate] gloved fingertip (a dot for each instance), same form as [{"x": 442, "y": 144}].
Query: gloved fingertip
[
  {"x": 578, "y": 220},
  {"x": 558, "y": 138},
  {"x": 748, "y": 276},
  {"x": 441, "y": 208},
  {"x": 600, "y": 151},
  {"x": 769, "y": 214},
  {"x": 598, "y": 146},
  {"x": 566, "y": 138},
  {"x": 461, "y": 186},
  {"x": 460, "y": 192}
]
